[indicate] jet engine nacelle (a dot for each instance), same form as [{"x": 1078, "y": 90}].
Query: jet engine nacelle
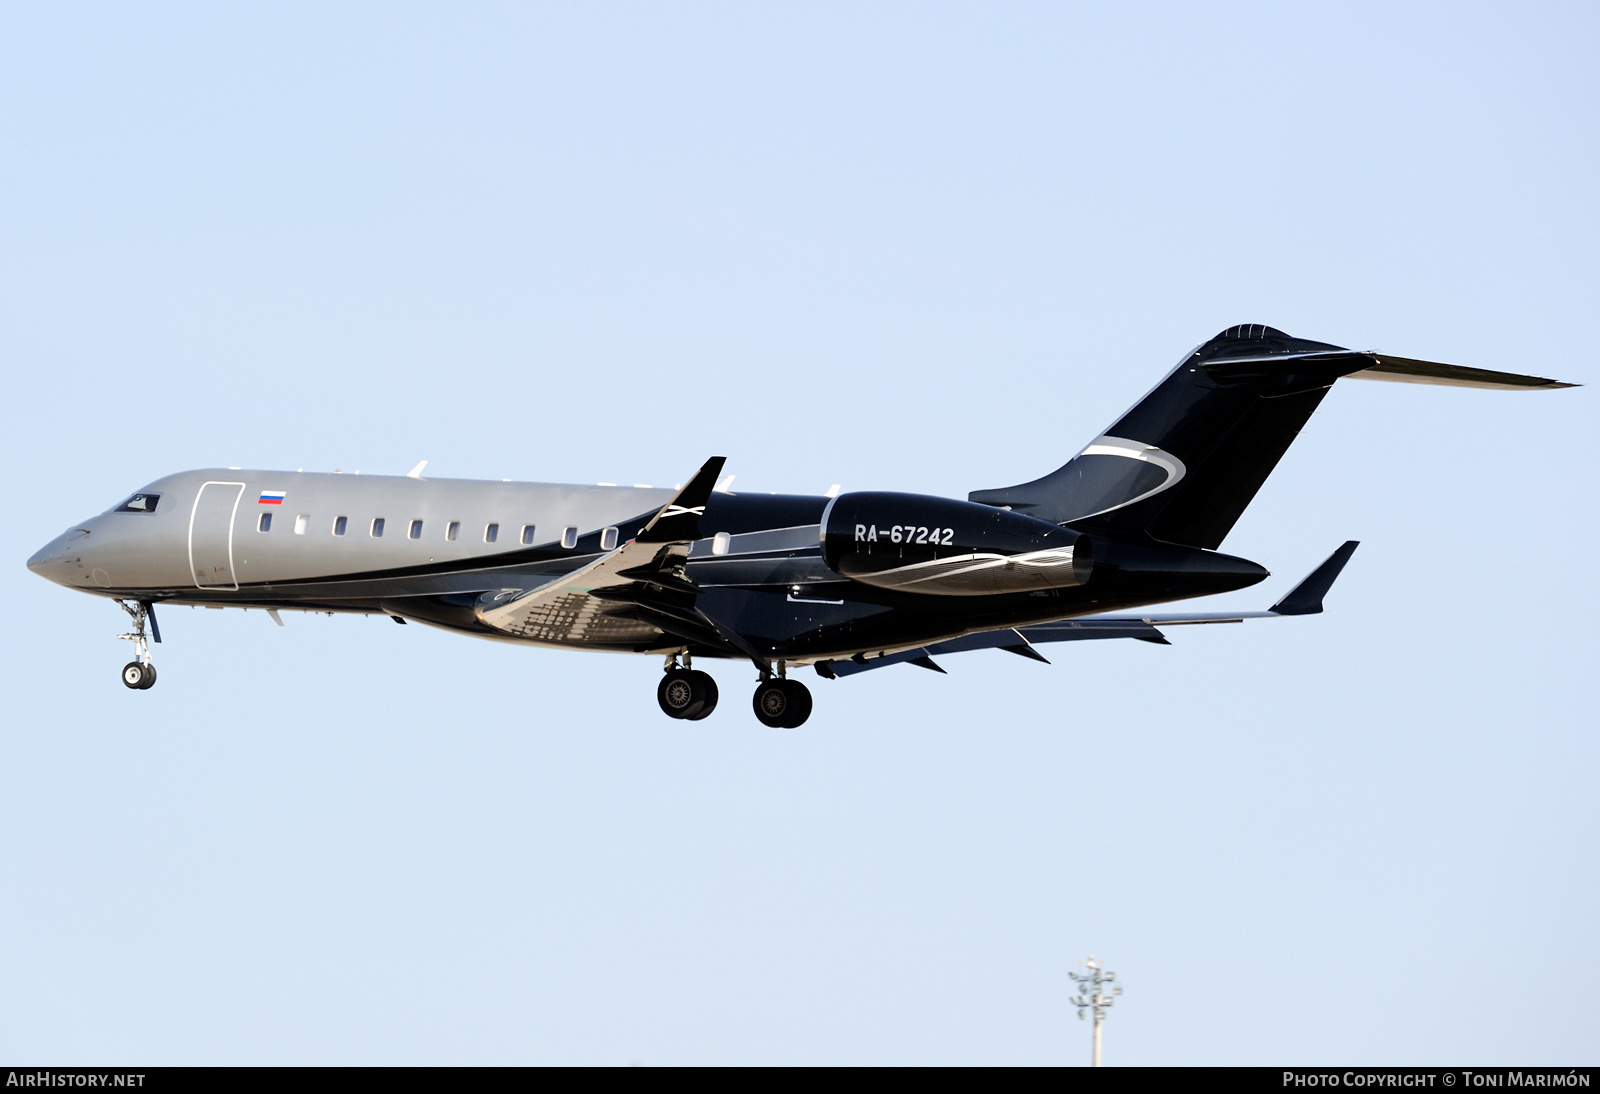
[{"x": 919, "y": 544}]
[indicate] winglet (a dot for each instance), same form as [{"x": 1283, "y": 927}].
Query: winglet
[
  {"x": 1306, "y": 597},
  {"x": 679, "y": 519}
]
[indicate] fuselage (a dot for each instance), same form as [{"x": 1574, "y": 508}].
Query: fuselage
[
  {"x": 433, "y": 550},
  {"x": 844, "y": 583}
]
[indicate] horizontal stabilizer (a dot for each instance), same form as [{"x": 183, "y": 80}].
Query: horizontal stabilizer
[
  {"x": 1404, "y": 370},
  {"x": 1306, "y": 597}
]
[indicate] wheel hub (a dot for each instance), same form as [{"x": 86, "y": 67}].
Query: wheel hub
[{"x": 679, "y": 694}]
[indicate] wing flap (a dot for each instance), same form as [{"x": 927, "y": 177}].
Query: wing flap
[{"x": 1018, "y": 640}]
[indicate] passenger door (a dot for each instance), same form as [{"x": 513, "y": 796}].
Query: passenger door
[{"x": 211, "y": 535}]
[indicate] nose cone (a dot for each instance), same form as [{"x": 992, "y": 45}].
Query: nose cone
[{"x": 58, "y": 559}]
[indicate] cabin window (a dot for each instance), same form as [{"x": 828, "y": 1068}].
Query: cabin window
[
  {"x": 416, "y": 529},
  {"x": 453, "y": 532},
  {"x": 720, "y": 543},
  {"x": 608, "y": 539},
  {"x": 264, "y": 522},
  {"x": 139, "y": 503},
  {"x": 569, "y": 537},
  {"x": 340, "y": 524},
  {"x": 301, "y": 523},
  {"x": 527, "y": 535},
  {"x": 377, "y": 527},
  {"x": 491, "y": 532}
]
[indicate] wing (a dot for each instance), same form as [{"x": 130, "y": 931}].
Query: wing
[
  {"x": 628, "y": 597},
  {"x": 1304, "y": 599}
]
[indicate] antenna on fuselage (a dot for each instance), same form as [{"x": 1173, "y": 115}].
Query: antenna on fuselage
[{"x": 416, "y": 472}]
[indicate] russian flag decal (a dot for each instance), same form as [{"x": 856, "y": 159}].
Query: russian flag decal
[{"x": 272, "y": 497}]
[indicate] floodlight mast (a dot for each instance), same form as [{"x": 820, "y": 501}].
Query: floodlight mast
[{"x": 1093, "y": 996}]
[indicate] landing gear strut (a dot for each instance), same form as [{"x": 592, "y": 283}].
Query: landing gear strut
[
  {"x": 685, "y": 692},
  {"x": 140, "y": 674},
  {"x": 781, "y": 703}
]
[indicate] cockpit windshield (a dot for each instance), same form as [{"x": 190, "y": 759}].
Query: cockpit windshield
[{"x": 139, "y": 503}]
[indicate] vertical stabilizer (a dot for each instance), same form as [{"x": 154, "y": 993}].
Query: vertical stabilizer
[{"x": 1182, "y": 464}]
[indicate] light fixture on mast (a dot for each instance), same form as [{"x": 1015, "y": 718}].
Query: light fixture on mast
[{"x": 1093, "y": 996}]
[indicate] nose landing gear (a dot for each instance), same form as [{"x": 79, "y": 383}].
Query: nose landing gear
[{"x": 140, "y": 675}]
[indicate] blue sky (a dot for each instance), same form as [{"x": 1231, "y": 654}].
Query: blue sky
[{"x": 916, "y": 247}]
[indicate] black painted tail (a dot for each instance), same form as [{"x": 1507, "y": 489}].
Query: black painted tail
[{"x": 1182, "y": 465}]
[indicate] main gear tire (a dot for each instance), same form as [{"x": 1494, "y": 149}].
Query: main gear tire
[
  {"x": 782, "y": 704},
  {"x": 709, "y": 704},
  {"x": 681, "y": 693},
  {"x": 799, "y": 705},
  {"x": 133, "y": 676}
]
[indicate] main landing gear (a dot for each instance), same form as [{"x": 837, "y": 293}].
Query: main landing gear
[
  {"x": 689, "y": 694},
  {"x": 782, "y": 703},
  {"x": 685, "y": 692},
  {"x": 140, "y": 674}
]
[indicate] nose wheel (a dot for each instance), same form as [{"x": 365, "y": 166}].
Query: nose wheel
[{"x": 140, "y": 675}]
